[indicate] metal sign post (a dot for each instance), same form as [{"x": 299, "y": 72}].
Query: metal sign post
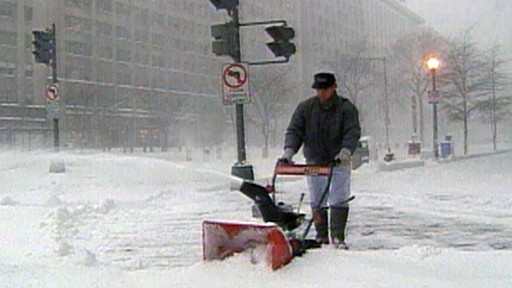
[{"x": 54, "y": 109}]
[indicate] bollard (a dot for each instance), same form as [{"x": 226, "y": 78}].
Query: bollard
[{"x": 206, "y": 154}]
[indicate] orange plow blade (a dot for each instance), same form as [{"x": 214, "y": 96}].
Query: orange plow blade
[{"x": 222, "y": 239}]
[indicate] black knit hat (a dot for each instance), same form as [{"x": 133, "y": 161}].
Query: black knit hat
[{"x": 323, "y": 80}]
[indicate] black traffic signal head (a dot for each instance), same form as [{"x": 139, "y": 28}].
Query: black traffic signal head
[
  {"x": 225, "y": 4},
  {"x": 280, "y": 33},
  {"x": 281, "y": 47},
  {"x": 44, "y": 46},
  {"x": 226, "y": 40}
]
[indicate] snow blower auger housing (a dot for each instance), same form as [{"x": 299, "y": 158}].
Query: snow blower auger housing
[{"x": 222, "y": 239}]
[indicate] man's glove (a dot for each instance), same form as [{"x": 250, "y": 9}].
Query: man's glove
[
  {"x": 287, "y": 156},
  {"x": 343, "y": 158}
]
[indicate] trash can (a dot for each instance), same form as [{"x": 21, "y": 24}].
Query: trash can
[
  {"x": 361, "y": 155},
  {"x": 414, "y": 148},
  {"x": 445, "y": 149},
  {"x": 363, "y": 150}
]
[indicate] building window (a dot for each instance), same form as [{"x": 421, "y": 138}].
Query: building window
[
  {"x": 7, "y": 71},
  {"x": 79, "y": 48},
  {"x": 141, "y": 77},
  {"x": 73, "y": 3},
  {"x": 104, "y": 29},
  {"x": 7, "y": 9},
  {"x": 104, "y": 72},
  {"x": 141, "y": 16},
  {"x": 87, "y": 3},
  {"x": 159, "y": 80},
  {"x": 78, "y": 69},
  {"x": 122, "y": 32},
  {"x": 104, "y": 6},
  {"x": 122, "y": 9},
  {"x": 159, "y": 21},
  {"x": 29, "y": 14},
  {"x": 123, "y": 55},
  {"x": 158, "y": 60},
  {"x": 123, "y": 78},
  {"x": 141, "y": 36},
  {"x": 158, "y": 40},
  {"x": 8, "y": 38},
  {"x": 105, "y": 52},
  {"x": 72, "y": 22},
  {"x": 141, "y": 55},
  {"x": 7, "y": 95}
]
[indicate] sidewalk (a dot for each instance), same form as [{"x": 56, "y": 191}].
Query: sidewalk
[{"x": 405, "y": 162}]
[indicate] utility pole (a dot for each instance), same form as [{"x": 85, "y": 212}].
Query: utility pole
[{"x": 387, "y": 121}]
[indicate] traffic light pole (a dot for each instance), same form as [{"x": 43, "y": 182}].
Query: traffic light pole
[
  {"x": 56, "y": 138},
  {"x": 240, "y": 169},
  {"x": 227, "y": 43}
]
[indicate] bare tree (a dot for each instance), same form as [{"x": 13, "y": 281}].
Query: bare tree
[
  {"x": 353, "y": 70},
  {"x": 408, "y": 60},
  {"x": 497, "y": 106},
  {"x": 354, "y": 74},
  {"x": 466, "y": 81},
  {"x": 271, "y": 87}
]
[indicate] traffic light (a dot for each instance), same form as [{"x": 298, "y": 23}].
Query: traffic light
[
  {"x": 225, "y": 4},
  {"x": 281, "y": 47},
  {"x": 44, "y": 46},
  {"x": 226, "y": 40}
]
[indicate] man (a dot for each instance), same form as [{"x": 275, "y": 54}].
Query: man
[{"x": 328, "y": 127}]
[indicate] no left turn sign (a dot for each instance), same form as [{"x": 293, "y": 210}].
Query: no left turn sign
[
  {"x": 235, "y": 83},
  {"x": 235, "y": 75},
  {"x": 52, "y": 92}
]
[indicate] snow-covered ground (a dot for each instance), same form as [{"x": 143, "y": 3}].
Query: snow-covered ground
[{"x": 134, "y": 220}]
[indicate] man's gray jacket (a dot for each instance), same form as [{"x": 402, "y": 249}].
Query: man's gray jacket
[{"x": 323, "y": 128}]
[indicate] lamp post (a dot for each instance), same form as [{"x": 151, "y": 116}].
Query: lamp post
[
  {"x": 389, "y": 155},
  {"x": 433, "y": 98}
]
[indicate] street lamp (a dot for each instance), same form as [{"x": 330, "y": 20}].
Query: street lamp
[{"x": 433, "y": 98}]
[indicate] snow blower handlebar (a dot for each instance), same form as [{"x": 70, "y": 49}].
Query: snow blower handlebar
[
  {"x": 302, "y": 169},
  {"x": 285, "y": 169}
]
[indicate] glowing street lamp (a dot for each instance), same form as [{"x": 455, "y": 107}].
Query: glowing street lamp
[
  {"x": 433, "y": 98},
  {"x": 433, "y": 63}
]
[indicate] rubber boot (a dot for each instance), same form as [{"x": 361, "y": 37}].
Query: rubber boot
[
  {"x": 321, "y": 225},
  {"x": 338, "y": 221}
]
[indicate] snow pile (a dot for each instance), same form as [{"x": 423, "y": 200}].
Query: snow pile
[{"x": 8, "y": 201}]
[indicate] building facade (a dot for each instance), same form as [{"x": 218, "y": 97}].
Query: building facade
[{"x": 387, "y": 21}]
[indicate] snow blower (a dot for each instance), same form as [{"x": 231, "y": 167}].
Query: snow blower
[{"x": 278, "y": 235}]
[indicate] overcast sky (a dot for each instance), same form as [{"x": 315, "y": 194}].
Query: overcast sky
[{"x": 491, "y": 18}]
